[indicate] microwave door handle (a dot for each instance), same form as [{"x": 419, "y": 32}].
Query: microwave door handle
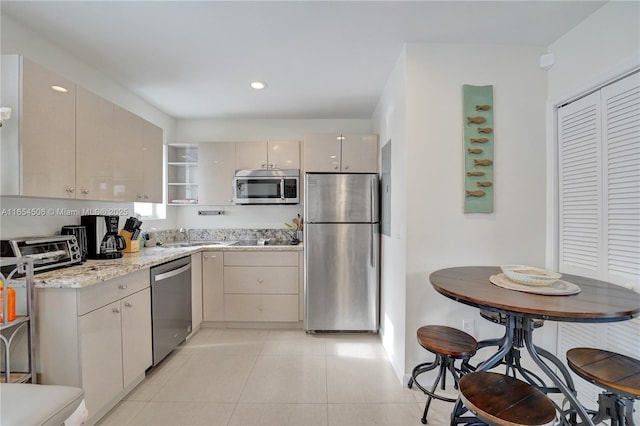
[{"x": 282, "y": 189}]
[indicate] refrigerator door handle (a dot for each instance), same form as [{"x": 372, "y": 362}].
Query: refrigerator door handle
[
  {"x": 373, "y": 200},
  {"x": 372, "y": 249}
]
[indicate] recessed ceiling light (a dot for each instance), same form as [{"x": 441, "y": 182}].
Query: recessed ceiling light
[
  {"x": 258, "y": 85},
  {"x": 59, "y": 89}
]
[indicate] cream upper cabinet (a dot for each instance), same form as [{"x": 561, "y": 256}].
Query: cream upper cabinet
[
  {"x": 216, "y": 169},
  {"x": 322, "y": 152},
  {"x": 268, "y": 155},
  {"x": 152, "y": 146},
  {"x": 94, "y": 136},
  {"x": 283, "y": 154},
  {"x": 65, "y": 142},
  {"x": 348, "y": 153},
  {"x": 128, "y": 174},
  {"x": 48, "y": 133},
  {"x": 360, "y": 153},
  {"x": 251, "y": 155}
]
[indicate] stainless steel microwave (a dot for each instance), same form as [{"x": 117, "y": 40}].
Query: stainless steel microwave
[{"x": 266, "y": 187}]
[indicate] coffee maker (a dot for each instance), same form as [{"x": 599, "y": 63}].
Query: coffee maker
[{"x": 103, "y": 241}]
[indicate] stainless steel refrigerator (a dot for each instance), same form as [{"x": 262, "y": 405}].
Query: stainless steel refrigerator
[{"x": 341, "y": 253}]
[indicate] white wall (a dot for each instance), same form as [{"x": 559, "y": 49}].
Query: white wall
[
  {"x": 17, "y": 39},
  {"x": 602, "y": 46},
  {"x": 439, "y": 234},
  {"x": 389, "y": 121},
  {"x": 238, "y": 130}
]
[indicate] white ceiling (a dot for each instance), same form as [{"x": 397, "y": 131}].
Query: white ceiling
[{"x": 321, "y": 59}]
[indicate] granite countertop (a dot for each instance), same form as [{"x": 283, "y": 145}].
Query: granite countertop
[{"x": 95, "y": 271}]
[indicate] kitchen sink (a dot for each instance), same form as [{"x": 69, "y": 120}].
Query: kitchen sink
[
  {"x": 249, "y": 243},
  {"x": 199, "y": 243},
  {"x": 239, "y": 243}
]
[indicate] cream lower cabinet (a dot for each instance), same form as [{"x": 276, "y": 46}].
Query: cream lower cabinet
[
  {"x": 196, "y": 291},
  {"x": 261, "y": 286},
  {"x": 97, "y": 338},
  {"x": 212, "y": 286}
]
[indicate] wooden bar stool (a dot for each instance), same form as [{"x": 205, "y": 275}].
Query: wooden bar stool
[
  {"x": 448, "y": 344},
  {"x": 501, "y": 400},
  {"x": 617, "y": 374}
]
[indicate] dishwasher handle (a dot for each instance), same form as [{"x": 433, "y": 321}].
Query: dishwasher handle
[{"x": 173, "y": 273}]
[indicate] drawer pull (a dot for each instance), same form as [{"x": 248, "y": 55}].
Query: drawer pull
[
  {"x": 116, "y": 310},
  {"x": 128, "y": 304},
  {"x": 123, "y": 286},
  {"x": 260, "y": 280},
  {"x": 260, "y": 308}
]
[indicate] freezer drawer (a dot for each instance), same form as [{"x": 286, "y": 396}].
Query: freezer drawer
[{"x": 341, "y": 277}]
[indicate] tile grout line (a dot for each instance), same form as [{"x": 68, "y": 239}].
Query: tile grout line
[{"x": 255, "y": 362}]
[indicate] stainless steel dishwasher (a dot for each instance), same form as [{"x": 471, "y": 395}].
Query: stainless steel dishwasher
[{"x": 170, "y": 305}]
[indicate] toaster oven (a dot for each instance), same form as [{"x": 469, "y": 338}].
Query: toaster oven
[{"x": 46, "y": 252}]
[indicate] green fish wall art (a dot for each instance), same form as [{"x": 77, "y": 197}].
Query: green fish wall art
[{"x": 478, "y": 163}]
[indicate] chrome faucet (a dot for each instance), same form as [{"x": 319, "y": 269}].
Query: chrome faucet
[{"x": 184, "y": 233}]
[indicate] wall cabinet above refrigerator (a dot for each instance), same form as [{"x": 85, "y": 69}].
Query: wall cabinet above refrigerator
[{"x": 346, "y": 153}]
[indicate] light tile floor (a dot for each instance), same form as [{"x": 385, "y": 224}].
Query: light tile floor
[{"x": 275, "y": 377}]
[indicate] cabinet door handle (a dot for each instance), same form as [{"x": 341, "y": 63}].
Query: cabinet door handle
[
  {"x": 260, "y": 308},
  {"x": 260, "y": 280},
  {"x": 70, "y": 189},
  {"x": 116, "y": 310},
  {"x": 84, "y": 191},
  {"x": 128, "y": 304},
  {"x": 346, "y": 167},
  {"x": 139, "y": 197},
  {"x": 146, "y": 197},
  {"x": 122, "y": 286},
  {"x": 335, "y": 167},
  {"x": 213, "y": 256}
]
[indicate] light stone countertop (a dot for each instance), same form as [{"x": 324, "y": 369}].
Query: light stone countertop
[{"x": 96, "y": 271}]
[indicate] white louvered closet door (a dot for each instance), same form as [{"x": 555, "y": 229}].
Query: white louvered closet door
[
  {"x": 621, "y": 180},
  {"x": 599, "y": 210},
  {"x": 580, "y": 216}
]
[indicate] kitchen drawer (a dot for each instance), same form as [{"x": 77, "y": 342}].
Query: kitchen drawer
[
  {"x": 261, "y": 279},
  {"x": 98, "y": 295},
  {"x": 260, "y": 307},
  {"x": 261, "y": 258}
]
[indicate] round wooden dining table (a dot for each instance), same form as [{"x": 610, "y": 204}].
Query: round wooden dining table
[{"x": 597, "y": 301}]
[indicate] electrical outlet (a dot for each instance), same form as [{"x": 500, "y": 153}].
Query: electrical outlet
[{"x": 468, "y": 326}]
